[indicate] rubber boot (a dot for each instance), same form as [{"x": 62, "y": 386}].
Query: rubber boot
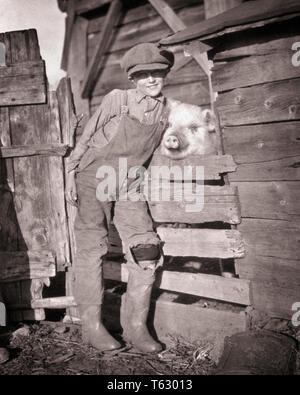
[
  {"x": 93, "y": 331},
  {"x": 137, "y": 304}
]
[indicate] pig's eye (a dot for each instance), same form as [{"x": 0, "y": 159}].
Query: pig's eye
[
  {"x": 193, "y": 128},
  {"x": 168, "y": 125}
]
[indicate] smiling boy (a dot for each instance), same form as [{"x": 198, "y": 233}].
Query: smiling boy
[{"x": 128, "y": 123}]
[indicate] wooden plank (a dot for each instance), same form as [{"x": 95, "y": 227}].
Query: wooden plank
[
  {"x": 268, "y": 43},
  {"x": 270, "y": 102},
  {"x": 275, "y": 301},
  {"x": 219, "y": 204},
  {"x": 168, "y": 15},
  {"x": 215, "y": 7},
  {"x": 286, "y": 169},
  {"x": 261, "y": 143},
  {"x": 147, "y": 30},
  {"x": 84, "y": 6},
  {"x": 59, "y": 221},
  {"x": 15, "y": 151},
  {"x": 113, "y": 15},
  {"x": 144, "y": 12},
  {"x": 6, "y": 165},
  {"x": 77, "y": 65},
  {"x": 23, "y": 83},
  {"x": 273, "y": 238},
  {"x": 205, "y": 243},
  {"x": 70, "y": 19},
  {"x": 214, "y": 165},
  {"x": 25, "y": 265},
  {"x": 277, "y": 272},
  {"x": 247, "y": 13},
  {"x": 269, "y": 200},
  {"x": 254, "y": 70}
]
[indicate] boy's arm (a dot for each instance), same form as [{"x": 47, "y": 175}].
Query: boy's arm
[{"x": 109, "y": 107}]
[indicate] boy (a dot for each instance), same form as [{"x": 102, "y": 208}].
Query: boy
[{"x": 127, "y": 124}]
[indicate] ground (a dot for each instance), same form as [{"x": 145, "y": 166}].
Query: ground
[{"x": 56, "y": 349}]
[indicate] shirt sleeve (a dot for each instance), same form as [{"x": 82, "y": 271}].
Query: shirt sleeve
[{"x": 109, "y": 107}]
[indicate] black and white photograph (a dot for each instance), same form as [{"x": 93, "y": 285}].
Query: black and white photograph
[{"x": 149, "y": 190}]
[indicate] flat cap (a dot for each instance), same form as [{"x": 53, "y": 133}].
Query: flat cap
[{"x": 146, "y": 56}]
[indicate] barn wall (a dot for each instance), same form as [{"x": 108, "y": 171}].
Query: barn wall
[
  {"x": 259, "y": 108},
  {"x": 143, "y": 24}
]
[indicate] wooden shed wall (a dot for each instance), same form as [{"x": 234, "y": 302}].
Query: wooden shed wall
[
  {"x": 141, "y": 23},
  {"x": 259, "y": 110}
]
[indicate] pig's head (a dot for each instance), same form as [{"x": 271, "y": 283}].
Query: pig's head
[{"x": 190, "y": 131}]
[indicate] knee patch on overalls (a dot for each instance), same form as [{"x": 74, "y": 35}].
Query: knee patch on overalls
[{"x": 146, "y": 252}]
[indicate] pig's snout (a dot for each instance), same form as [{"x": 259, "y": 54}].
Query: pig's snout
[{"x": 172, "y": 142}]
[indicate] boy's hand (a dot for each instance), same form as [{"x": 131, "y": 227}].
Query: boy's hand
[{"x": 71, "y": 190}]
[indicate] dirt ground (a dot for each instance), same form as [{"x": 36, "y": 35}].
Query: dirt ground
[{"x": 56, "y": 349}]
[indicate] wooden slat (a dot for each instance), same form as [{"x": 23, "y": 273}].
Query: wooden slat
[
  {"x": 215, "y": 7},
  {"x": 277, "y": 272},
  {"x": 24, "y": 265},
  {"x": 204, "y": 285},
  {"x": 286, "y": 169},
  {"x": 269, "y": 200},
  {"x": 205, "y": 243},
  {"x": 219, "y": 204},
  {"x": 253, "y": 45},
  {"x": 270, "y": 102},
  {"x": 70, "y": 19},
  {"x": 247, "y": 13},
  {"x": 262, "y": 143},
  {"x": 84, "y": 6},
  {"x": 214, "y": 165},
  {"x": 113, "y": 15},
  {"x": 255, "y": 70},
  {"x": 23, "y": 83},
  {"x": 274, "y": 238},
  {"x": 15, "y": 151}
]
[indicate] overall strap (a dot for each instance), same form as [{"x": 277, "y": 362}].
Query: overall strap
[{"x": 124, "y": 106}]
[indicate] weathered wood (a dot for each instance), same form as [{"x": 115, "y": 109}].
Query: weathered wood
[
  {"x": 275, "y": 301},
  {"x": 214, "y": 165},
  {"x": 57, "y": 149},
  {"x": 59, "y": 222},
  {"x": 144, "y": 12},
  {"x": 168, "y": 15},
  {"x": 273, "y": 238},
  {"x": 148, "y": 30},
  {"x": 255, "y": 70},
  {"x": 23, "y": 83},
  {"x": 246, "y": 15},
  {"x": 92, "y": 74},
  {"x": 215, "y": 7},
  {"x": 84, "y": 6},
  {"x": 70, "y": 19},
  {"x": 219, "y": 204},
  {"x": 277, "y": 272},
  {"x": 6, "y": 165},
  {"x": 24, "y": 265},
  {"x": 77, "y": 65},
  {"x": 268, "y": 43},
  {"x": 205, "y": 243},
  {"x": 269, "y": 200},
  {"x": 286, "y": 169},
  {"x": 261, "y": 143},
  {"x": 270, "y": 102},
  {"x": 23, "y": 46}
]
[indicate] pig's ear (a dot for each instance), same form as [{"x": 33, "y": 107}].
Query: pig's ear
[{"x": 209, "y": 120}]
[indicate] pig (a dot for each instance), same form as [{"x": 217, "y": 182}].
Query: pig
[{"x": 190, "y": 131}]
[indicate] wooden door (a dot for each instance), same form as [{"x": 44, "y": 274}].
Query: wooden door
[{"x": 34, "y": 238}]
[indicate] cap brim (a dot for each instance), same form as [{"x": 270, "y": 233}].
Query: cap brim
[{"x": 147, "y": 67}]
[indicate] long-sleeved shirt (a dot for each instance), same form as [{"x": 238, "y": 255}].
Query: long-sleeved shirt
[{"x": 103, "y": 125}]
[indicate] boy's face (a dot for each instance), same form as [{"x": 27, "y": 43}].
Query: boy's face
[{"x": 149, "y": 83}]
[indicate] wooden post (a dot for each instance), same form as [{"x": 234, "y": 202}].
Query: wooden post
[{"x": 215, "y": 7}]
